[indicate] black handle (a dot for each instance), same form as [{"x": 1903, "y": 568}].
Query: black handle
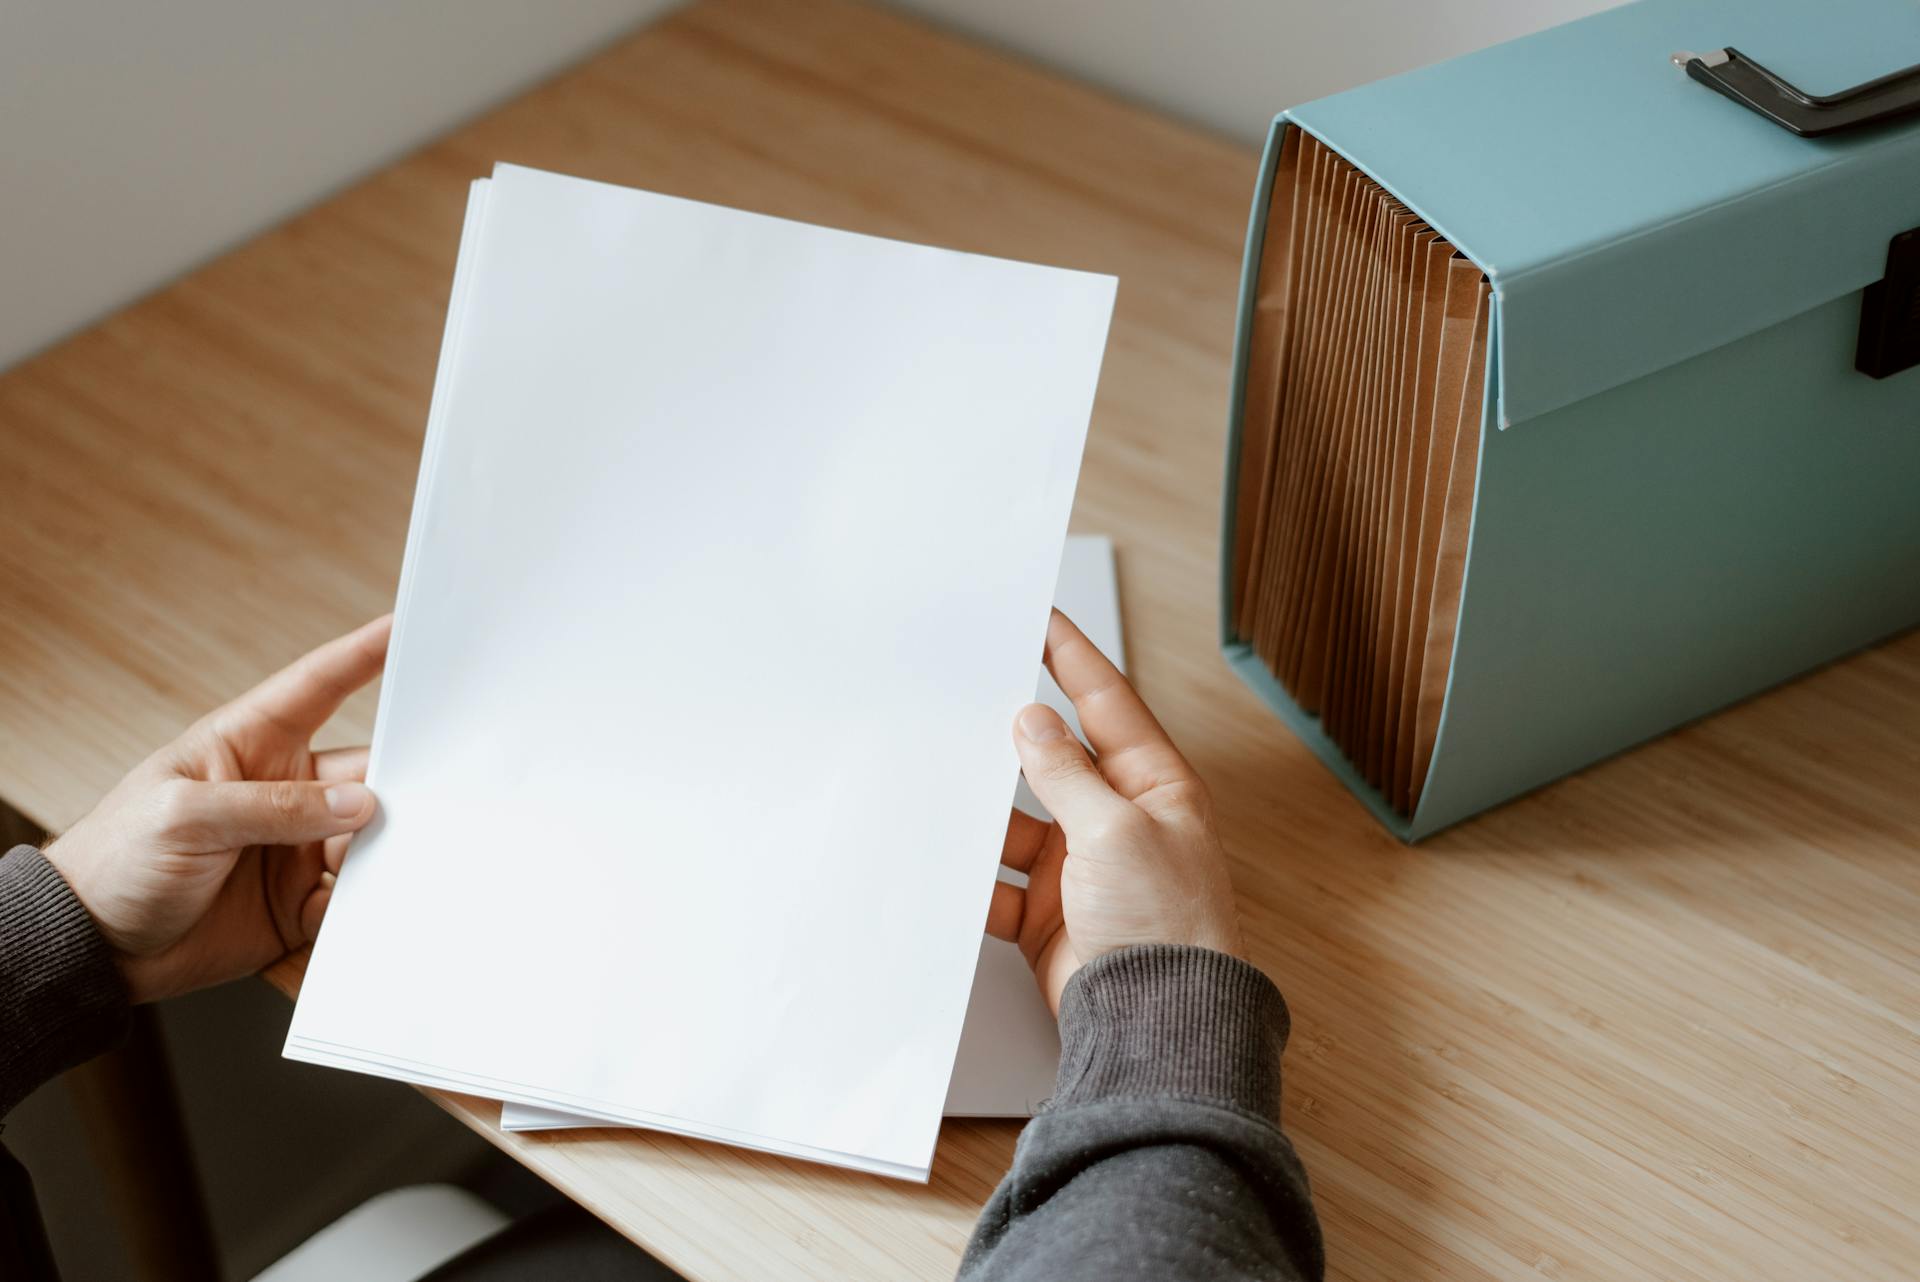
[{"x": 1751, "y": 85}]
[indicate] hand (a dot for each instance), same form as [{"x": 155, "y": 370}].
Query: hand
[
  {"x": 215, "y": 856},
  {"x": 1131, "y": 856}
]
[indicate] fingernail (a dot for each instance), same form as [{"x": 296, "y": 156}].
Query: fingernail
[
  {"x": 1041, "y": 724},
  {"x": 346, "y": 800}
]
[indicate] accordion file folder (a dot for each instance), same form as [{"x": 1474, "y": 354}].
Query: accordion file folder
[{"x": 1570, "y": 398}]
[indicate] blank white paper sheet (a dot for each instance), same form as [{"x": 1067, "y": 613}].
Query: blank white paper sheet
[
  {"x": 730, "y": 558},
  {"x": 1009, "y": 1050}
]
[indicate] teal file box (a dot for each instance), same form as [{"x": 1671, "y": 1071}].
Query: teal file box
[{"x": 1686, "y": 492}]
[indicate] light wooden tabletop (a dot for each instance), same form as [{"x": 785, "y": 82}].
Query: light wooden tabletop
[{"x": 1661, "y": 1020}]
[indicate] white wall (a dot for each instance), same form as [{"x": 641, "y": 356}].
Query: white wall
[
  {"x": 138, "y": 138},
  {"x": 1233, "y": 64}
]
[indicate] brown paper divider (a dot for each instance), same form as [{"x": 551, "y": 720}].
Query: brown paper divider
[
  {"x": 1324, "y": 547},
  {"x": 1368, "y": 685},
  {"x": 1305, "y": 409},
  {"x": 1384, "y": 365},
  {"x": 1344, "y": 498},
  {"x": 1305, "y": 508},
  {"x": 1275, "y": 576},
  {"x": 1436, "y": 254},
  {"x": 1346, "y": 644},
  {"x": 1314, "y": 550},
  {"x": 1266, "y": 351},
  {"x": 1456, "y": 340},
  {"x": 1450, "y": 560},
  {"x": 1383, "y": 716}
]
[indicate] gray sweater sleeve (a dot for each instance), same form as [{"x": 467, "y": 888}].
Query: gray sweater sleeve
[
  {"x": 1160, "y": 1155},
  {"x": 62, "y": 1000}
]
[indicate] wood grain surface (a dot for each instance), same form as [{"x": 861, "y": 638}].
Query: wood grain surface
[{"x": 1661, "y": 1020}]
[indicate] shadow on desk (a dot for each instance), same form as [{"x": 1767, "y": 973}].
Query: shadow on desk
[{"x": 1635, "y": 996}]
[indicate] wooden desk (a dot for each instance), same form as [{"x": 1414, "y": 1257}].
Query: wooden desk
[{"x": 1659, "y": 1021}]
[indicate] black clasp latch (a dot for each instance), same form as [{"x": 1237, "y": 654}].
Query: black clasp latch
[
  {"x": 1890, "y": 312},
  {"x": 1740, "y": 78}
]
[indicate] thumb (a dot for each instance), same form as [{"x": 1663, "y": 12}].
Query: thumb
[
  {"x": 1059, "y": 771},
  {"x": 225, "y": 816}
]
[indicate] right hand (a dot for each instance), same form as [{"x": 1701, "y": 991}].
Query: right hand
[{"x": 1131, "y": 856}]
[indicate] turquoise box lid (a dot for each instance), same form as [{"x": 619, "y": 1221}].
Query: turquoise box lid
[{"x": 1627, "y": 216}]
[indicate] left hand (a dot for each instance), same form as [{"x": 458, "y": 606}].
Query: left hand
[
  {"x": 213, "y": 858},
  {"x": 1132, "y": 855}
]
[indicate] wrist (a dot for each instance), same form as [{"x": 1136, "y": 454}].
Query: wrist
[
  {"x": 69, "y": 860},
  {"x": 96, "y": 896},
  {"x": 63, "y": 998},
  {"x": 1171, "y": 1019}
]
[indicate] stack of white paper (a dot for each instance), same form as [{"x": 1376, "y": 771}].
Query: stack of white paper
[
  {"x": 1009, "y": 1045},
  {"x": 730, "y": 557}
]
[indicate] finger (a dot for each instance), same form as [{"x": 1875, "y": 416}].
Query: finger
[
  {"x": 1025, "y": 836},
  {"x": 336, "y": 764},
  {"x": 314, "y": 908},
  {"x": 1059, "y": 770},
  {"x": 333, "y": 852},
  {"x": 1135, "y": 754},
  {"x": 300, "y": 697},
  {"x": 1005, "y": 912},
  {"x": 228, "y": 816}
]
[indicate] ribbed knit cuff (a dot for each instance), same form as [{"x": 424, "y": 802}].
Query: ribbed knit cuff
[
  {"x": 1164, "y": 1019},
  {"x": 62, "y": 1000}
]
